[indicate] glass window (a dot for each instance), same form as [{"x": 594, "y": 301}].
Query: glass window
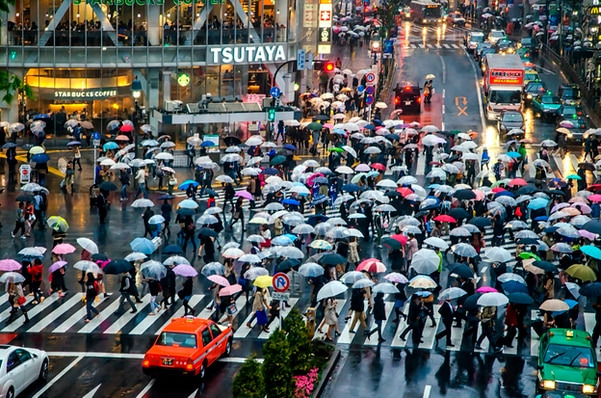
[
  {"x": 206, "y": 337},
  {"x": 564, "y": 355},
  {"x": 215, "y": 330},
  {"x": 23, "y": 355},
  {"x": 12, "y": 361},
  {"x": 171, "y": 339}
]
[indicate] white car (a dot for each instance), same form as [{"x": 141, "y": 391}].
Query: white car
[
  {"x": 19, "y": 368},
  {"x": 495, "y": 35}
]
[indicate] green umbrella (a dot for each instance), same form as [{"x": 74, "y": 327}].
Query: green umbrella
[
  {"x": 277, "y": 160},
  {"x": 526, "y": 255},
  {"x": 58, "y": 224},
  {"x": 573, "y": 177},
  {"x": 582, "y": 272},
  {"x": 315, "y": 126},
  {"x": 336, "y": 149}
]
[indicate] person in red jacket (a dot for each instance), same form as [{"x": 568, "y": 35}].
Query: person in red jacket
[{"x": 36, "y": 270}]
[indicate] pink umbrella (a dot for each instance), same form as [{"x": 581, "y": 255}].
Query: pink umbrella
[
  {"x": 328, "y": 125},
  {"x": 229, "y": 290},
  {"x": 371, "y": 265},
  {"x": 486, "y": 289},
  {"x": 184, "y": 270},
  {"x": 586, "y": 234},
  {"x": 479, "y": 194},
  {"x": 8, "y": 264},
  {"x": 64, "y": 248},
  {"x": 362, "y": 168},
  {"x": 218, "y": 279},
  {"x": 56, "y": 266},
  {"x": 584, "y": 208},
  {"x": 312, "y": 177},
  {"x": 245, "y": 194}
]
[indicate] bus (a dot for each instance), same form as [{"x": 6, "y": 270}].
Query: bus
[{"x": 426, "y": 12}]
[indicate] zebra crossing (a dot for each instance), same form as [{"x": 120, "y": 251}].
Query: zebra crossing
[{"x": 439, "y": 46}]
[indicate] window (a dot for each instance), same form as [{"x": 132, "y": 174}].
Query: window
[
  {"x": 564, "y": 355},
  {"x": 206, "y": 337},
  {"x": 171, "y": 339},
  {"x": 23, "y": 355},
  {"x": 13, "y": 361},
  {"x": 215, "y": 330}
]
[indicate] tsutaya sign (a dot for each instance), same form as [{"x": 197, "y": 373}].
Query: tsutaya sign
[
  {"x": 263, "y": 53},
  {"x": 132, "y": 2}
]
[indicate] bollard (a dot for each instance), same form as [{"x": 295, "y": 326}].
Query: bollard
[{"x": 310, "y": 323}]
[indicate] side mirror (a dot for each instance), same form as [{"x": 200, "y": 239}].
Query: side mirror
[{"x": 540, "y": 367}]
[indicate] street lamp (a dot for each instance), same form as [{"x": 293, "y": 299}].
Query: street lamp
[{"x": 136, "y": 91}]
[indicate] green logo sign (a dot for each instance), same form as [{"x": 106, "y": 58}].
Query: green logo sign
[{"x": 135, "y": 2}]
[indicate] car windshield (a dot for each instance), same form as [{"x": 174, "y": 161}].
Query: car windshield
[
  {"x": 512, "y": 117},
  {"x": 476, "y": 39},
  {"x": 526, "y": 41},
  {"x": 497, "y": 34},
  {"x": 532, "y": 88},
  {"x": 569, "y": 93},
  {"x": 530, "y": 76},
  {"x": 558, "y": 354},
  {"x": 173, "y": 339},
  {"x": 551, "y": 100},
  {"x": 504, "y": 97}
]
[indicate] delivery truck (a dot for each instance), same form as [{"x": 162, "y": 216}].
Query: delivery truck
[{"x": 503, "y": 83}]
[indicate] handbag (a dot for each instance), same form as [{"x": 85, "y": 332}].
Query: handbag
[
  {"x": 232, "y": 309},
  {"x": 21, "y": 300}
]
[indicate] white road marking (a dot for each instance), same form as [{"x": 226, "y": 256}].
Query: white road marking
[
  {"x": 128, "y": 316},
  {"x": 91, "y": 393},
  {"x": 427, "y": 391},
  {"x": 60, "y": 375},
  {"x": 193, "y": 395},
  {"x": 477, "y": 83},
  {"x": 54, "y": 315},
  {"x": 147, "y": 388}
]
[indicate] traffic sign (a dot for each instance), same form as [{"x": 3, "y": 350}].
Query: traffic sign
[
  {"x": 280, "y": 296},
  {"x": 300, "y": 59},
  {"x": 280, "y": 282},
  {"x": 275, "y": 92},
  {"x": 369, "y": 90},
  {"x": 370, "y": 78},
  {"x": 95, "y": 135},
  {"x": 369, "y": 100}
]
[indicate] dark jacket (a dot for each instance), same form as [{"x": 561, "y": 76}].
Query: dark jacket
[
  {"x": 414, "y": 309},
  {"x": 357, "y": 300},
  {"x": 379, "y": 310},
  {"x": 446, "y": 311}
]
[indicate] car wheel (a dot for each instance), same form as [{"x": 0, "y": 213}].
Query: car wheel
[
  {"x": 44, "y": 371},
  {"x": 10, "y": 393},
  {"x": 203, "y": 370},
  {"x": 228, "y": 348}
]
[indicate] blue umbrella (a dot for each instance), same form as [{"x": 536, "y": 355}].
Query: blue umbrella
[
  {"x": 184, "y": 185},
  {"x": 40, "y": 158},
  {"x": 591, "y": 251},
  {"x": 504, "y": 193},
  {"x": 571, "y": 304},
  {"x": 514, "y": 287},
  {"x": 42, "y": 116},
  {"x": 290, "y": 147},
  {"x": 292, "y": 202},
  {"x": 541, "y": 218},
  {"x": 9, "y": 145},
  {"x": 392, "y": 137},
  {"x": 369, "y": 127},
  {"x": 173, "y": 249},
  {"x": 319, "y": 199},
  {"x": 110, "y": 145},
  {"x": 538, "y": 203},
  {"x": 350, "y": 187},
  {"x": 316, "y": 219},
  {"x": 142, "y": 245},
  {"x": 270, "y": 171},
  {"x": 206, "y": 144},
  {"x": 514, "y": 154}
]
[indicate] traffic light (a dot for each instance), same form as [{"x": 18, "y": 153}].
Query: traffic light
[
  {"x": 271, "y": 114},
  {"x": 324, "y": 66}
]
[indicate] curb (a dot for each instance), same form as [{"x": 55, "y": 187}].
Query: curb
[{"x": 325, "y": 376}]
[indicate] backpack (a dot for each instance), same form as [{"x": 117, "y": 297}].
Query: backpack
[{"x": 96, "y": 287}]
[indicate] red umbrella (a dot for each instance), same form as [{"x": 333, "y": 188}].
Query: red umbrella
[
  {"x": 126, "y": 128},
  {"x": 312, "y": 177},
  {"x": 400, "y": 238},
  {"x": 498, "y": 189},
  {"x": 378, "y": 166},
  {"x": 594, "y": 198},
  {"x": 122, "y": 137},
  {"x": 594, "y": 187},
  {"x": 444, "y": 218},
  {"x": 404, "y": 191},
  {"x": 371, "y": 265},
  {"x": 517, "y": 182}
]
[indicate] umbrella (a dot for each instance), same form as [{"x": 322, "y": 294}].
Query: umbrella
[
  {"x": 176, "y": 259},
  {"x": 214, "y": 268},
  {"x": 107, "y": 186},
  {"x": 63, "y": 248},
  {"x": 249, "y": 258},
  {"x": 245, "y": 194},
  {"x": 232, "y": 252},
  {"x": 321, "y": 245},
  {"x": 573, "y": 288},
  {"x": 352, "y": 277},
  {"x": 40, "y": 158},
  {"x": 554, "y": 305},
  {"x": 208, "y": 232},
  {"x": 55, "y": 266},
  {"x": 472, "y": 301},
  {"x": 451, "y": 293},
  {"x": 58, "y": 223},
  {"x": 184, "y": 185},
  {"x": 462, "y": 271},
  {"x": 135, "y": 256},
  {"x": 142, "y": 245},
  {"x": 116, "y": 267},
  {"x": 288, "y": 264},
  {"x": 514, "y": 286},
  {"x": 88, "y": 245},
  {"x": 464, "y": 250},
  {"x": 520, "y": 298},
  {"x": 372, "y": 265},
  {"x": 363, "y": 283},
  {"x": 172, "y": 249},
  {"x": 423, "y": 282},
  {"x": 230, "y": 290},
  {"x": 591, "y": 289},
  {"x": 142, "y": 203},
  {"x": 385, "y": 288},
  {"x": 35, "y": 251},
  {"x": 218, "y": 279},
  {"x": 153, "y": 269},
  {"x": 187, "y": 204},
  {"x": 486, "y": 289},
  {"x": 510, "y": 276},
  {"x": 436, "y": 242},
  {"x": 582, "y": 272},
  {"x": 480, "y": 221},
  {"x": 87, "y": 266},
  {"x": 425, "y": 261},
  {"x": 332, "y": 259},
  {"x": 8, "y": 264},
  {"x": 591, "y": 251},
  {"x": 331, "y": 289},
  {"x": 156, "y": 220},
  {"x": 12, "y": 277},
  {"x": 311, "y": 270},
  {"x": 396, "y": 278},
  {"x": 498, "y": 255},
  {"x": 263, "y": 281},
  {"x": 493, "y": 299},
  {"x": 185, "y": 270}
]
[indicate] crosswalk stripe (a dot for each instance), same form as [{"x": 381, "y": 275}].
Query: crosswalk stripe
[
  {"x": 396, "y": 340},
  {"x": 373, "y": 341},
  {"x": 148, "y": 321},
  {"x": 456, "y": 338},
  {"x": 195, "y": 299},
  {"x": 534, "y": 340},
  {"x": 56, "y": 314},
  {"x": 128, "y": 316},
  {"x": 346, "y": 337},
  {"x": 265, "y": 335},
  {"x": 31, "y": 313},
  {"x": 589, "y": 325}
]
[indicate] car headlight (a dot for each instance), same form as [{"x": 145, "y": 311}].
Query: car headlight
[
  {"x": 570, "y": 135},
  {"x": 529, "y": 96},
  {"x": 549, "y": 384},
  {"x": 588, "y": 389},
  {"x": 424, "y": 20}
]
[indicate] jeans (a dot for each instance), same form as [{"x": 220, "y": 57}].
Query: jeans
[
  {"x": 124, "y": 191},
  {"x": 126, "y": 297},
  {"x": 142, "y": 190},
  {"x": 90, "y": 308},
  {"x": 153, "y": 304}
]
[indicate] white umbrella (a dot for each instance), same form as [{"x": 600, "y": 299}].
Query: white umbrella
[
  {"x": 352, "y": 277},
  {"x": 156, "y": 219},
  {"x": 311, "y": 270},
  {"x": 363, "y": 283},
  {"x": 88, "y": 245},
  {"x": 510, "y": 276},
  {"x": 422, "y": 282},
  {"x": 164, "y": 156},
  {"x": 232, "y": 252},
  {"x": 498, "y": 254},
  {"x": 142, "y": 203},
  {"x": 493, "y": 299},
  {"x": 249, "y": 258},
  {"x": 425, "y": 261},
  {"x": 187, "y": 204},
  {"x": 174, "y": 260},
  {"x": 224, "y": 179},
  {"x": 290, "y": 252},
  {"x": 135, "y": 256},
  {"x": 386, "y": 288},
  {"x": 396, "y": 277},
  {"x": 437, "y": 242},
  {"x": 464, "y": 250},
  {"x": 15, "y": 277},
  {"x": 381, "y": 105},
  {"x": 331, "y": 289},
  {"x": 87, "y": 266},
  {"x": 451, "y": 293}
]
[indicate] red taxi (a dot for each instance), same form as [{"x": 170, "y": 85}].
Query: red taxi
[{"x": 187, "y": 346}]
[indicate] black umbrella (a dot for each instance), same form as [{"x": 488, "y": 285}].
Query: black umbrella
[
  {"x": 593, "y": 226},
  {"x": 208, "y": 232},
  {"x": 464, "y": 194},
  {"x": 591, "y": 289},
  {"x": 545, "y": 265},
  {"x": 527, "y": 190},
  {"x": 527, "y": 241},
  {"x": 166, "y": 197},
  {"x": 99, "y": 257},
  {"x": 555, "y": 192},
  {"x": 461, "y": 270},
  {"x": 520, "y": 298},
  {"x": 459, "y": 213},
  {"x": 288, "y": 264},
  {"x": 332, "y": 259},
  {"x": 117, "y": 267},
  {"x": 107, "y": 186},
  {"x": 24, "y": 198},
  {"x": 321, "y": 117},
  {"x": 480, "y": 221},
  {"x": 173, "y": 249},
  {"x": 471, "y": 302},
  {"x": 316, "y": 219},
  {"x": 390, "y": 244},
  {"x": 185, "y": 212},
  {"x": 231, "y": 140}
]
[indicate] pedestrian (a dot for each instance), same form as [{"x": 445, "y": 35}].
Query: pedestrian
[
  {"x": 57, "y": 282},
  {"x": 206, "y": 244},
  {"x": 19, "y": 221},
  {"x": 77, "y": 157},
  {"x": 597, "y": 328},
  {"x": 330, "y": 318},
  {"x": 379, "y": 312},
  {"x": 124, "y": 179},
  {"x": 168, "y": 288},
  {"x": 166, "y": 210},
  {"x": 238, "y": 214},
  {"x": 126, "y": 290},
  {"x": 92, "y": 291},
  {"x": 102, "y": 206},
  {"x": 189, "y": 230},
  {"x": 69, "y": 181},
  {"x": 36, "y": 271},
  {"x": 148, "y": 213},
  {"x": 17, "y": 300},
  {"x": 487, "y": 320},
  {"x": 399, "y": 302},
  {"x": 413, "y": 320},
  {"x": 141, "y": 175},
  {"x": 511, "y": 322},
  {"x": 484, "y": 159},
  {"x": 358, "y": 307},
  {"x": 154, "y": 288},
  {"x": 259, "y": 308},
  {"x": 171, "y": 183},
  {"x": 185, "y": 293},
  {"x": 447, "y": 315}
]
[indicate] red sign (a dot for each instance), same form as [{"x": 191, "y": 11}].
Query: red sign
[
  {"x": 280, "y": 282},
  {"x": 325, "y": 15},
  {"x": 506, "y": 76}
]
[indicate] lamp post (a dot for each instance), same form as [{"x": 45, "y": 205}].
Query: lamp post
[{"x": 136, "y": 91}]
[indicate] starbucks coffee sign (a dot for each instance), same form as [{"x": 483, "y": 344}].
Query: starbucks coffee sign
[
  {"x": 85, "y": 94},
  {"x": 246, "y": 54}
]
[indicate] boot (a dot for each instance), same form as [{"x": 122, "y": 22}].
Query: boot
[{"x": 25, "y": 315}]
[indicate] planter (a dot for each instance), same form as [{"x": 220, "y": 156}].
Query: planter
[{"x": 326, "y": 373}]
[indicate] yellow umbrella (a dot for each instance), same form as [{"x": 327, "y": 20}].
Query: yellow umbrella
[
  {"x": 58, "y": 223},
  {"x": 263, "y": 281},
  {"x": 35, "y": 150}
]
